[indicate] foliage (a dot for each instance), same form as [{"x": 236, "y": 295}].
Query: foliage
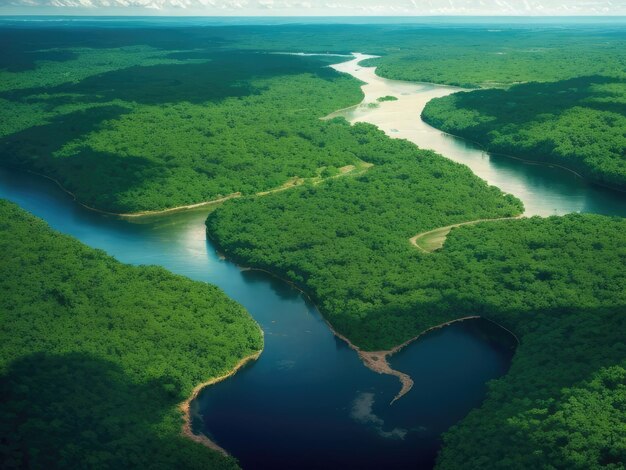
[
  {"x": 577, "y": 123},
  {"x": 501, "y": 55},
  {"x": 95, "y": 355},
  {"x": 151, "y": 117},
  {"x": 141, "y": 118},
  {"x": 557, "y": 283},
  {"x": 346, "y": 240},
  {"x": 158, "y": 136}
]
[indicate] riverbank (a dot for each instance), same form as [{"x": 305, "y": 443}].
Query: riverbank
[
  {"x": 548, "y": 164},
  {"x": 376, "y": 361},
  {"x": 137, "y": 214},
  {"x": 358, "y": 168},
  {"x": 185, "y": 406}
]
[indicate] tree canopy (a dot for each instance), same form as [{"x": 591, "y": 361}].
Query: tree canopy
[{"x": 96, "y": 356}]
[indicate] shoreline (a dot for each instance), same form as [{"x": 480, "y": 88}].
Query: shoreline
[
  {"x": 185, "y": 406},
  {"x": 376, "y": 361},
  {"x": 140, "y": 213},
  {"x": 356, "y": 169},
  {"x": 458, "y": 89},
  {"x": 484, "y": 149}
]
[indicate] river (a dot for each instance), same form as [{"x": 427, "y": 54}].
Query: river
[
  {"x": 545, "y": 190},
  {"x": 308, "y": 402}
]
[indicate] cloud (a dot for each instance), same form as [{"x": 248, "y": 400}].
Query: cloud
[
  {"x": 362, "y": 412},
  {"x": 354, "y": 7}
]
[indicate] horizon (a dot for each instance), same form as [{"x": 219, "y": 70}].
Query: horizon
[
  {"x": 305, "y": 8},
  {"x": 150, "y": 14}
]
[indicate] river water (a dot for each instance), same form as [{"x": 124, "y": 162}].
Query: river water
[
  {"x": 308, "y": 402},
  {"x": 545, "y": 190}
]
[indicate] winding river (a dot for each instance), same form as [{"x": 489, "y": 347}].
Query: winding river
[{"x": 308, "y": 402}]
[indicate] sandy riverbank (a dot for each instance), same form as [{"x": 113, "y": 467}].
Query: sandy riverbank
[{"x": 185, "y": 406}]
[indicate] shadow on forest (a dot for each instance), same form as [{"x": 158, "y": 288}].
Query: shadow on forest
[
  {"x": 224, "y": 75},
  {"x": 76, "y": 410},
  {"x": 22, "y": 46},
  {"x": 102, "y": 176},
  {"x": 541, "y": 399},
  {"x": 524, "y": 103}
]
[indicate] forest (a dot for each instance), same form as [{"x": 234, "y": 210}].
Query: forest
[
  {"x": 577, "y": 123},
  {"x": 131, "y": 120},
  {"x": 557, "y": 283},
  {"x": 346, "y": 241},
  {"x": 96, "y": 356},
  {"x": 157, "y": 117},
  {"x": 158, "y": 136}
]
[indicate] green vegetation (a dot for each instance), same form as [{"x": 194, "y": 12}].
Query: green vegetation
[
  {"x": 158, "y": 136},
  {"x": 387, "y": 98},
  {"x": 131, "y": 120},
  {"x": 577, "y": 123},
  {"x": 346, "y": 240},
  {"x": 158, "y": 117},
  {"x": 559, "y": 284},
  {"x": 96, "y": 356},
  {"x": 490, "y": 56}
]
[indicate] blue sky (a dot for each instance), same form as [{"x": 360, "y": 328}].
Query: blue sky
[{"x": 323, "y": 7}]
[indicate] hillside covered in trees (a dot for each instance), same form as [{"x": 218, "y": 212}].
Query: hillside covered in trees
[
  {"x": 346, "y": 241},
  {"x": 96, "y": 356},
  {"x": 578, "y": 123}
]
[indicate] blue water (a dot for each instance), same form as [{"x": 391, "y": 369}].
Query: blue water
[{"x": 308, "y": 402}]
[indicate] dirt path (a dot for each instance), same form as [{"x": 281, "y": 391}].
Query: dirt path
[{"x": 434, "y": 239}]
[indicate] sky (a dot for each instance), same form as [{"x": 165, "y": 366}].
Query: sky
[{"x": 320, "y": 7}]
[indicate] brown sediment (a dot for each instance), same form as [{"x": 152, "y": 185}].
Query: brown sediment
[
  {"x": 185, "y": 406},
  {"x": 445, "y": 233},
  {"x": 377, "y": 360}
]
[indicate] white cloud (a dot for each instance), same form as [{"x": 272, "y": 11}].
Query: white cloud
[{"x": 356, "y": 7}]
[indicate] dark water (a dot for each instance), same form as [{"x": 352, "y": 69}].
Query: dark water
[{"x": 308, "y": 402}]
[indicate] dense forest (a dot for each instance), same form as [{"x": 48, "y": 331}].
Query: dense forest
[
  {"x": 346, "y": 240},
  {"x": 578, "y": 123},
  {"x": 131, "y": 120},
  {"x": 96, "y": 356},
  {"x": 558, "y": 283},
  {"x": 157, "y": 117},
  {"x": 157, "y": 136},
  {"x": 488, "y": 57}
]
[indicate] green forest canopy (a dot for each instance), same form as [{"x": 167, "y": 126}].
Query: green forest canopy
[
  {"x": 578, "y": 123},
  {"x": 153, "y": 117},
  {"x": 557, "y": 282},
  {"x": 96, "y": 356},
  {"x": 159, "y": 136}
]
